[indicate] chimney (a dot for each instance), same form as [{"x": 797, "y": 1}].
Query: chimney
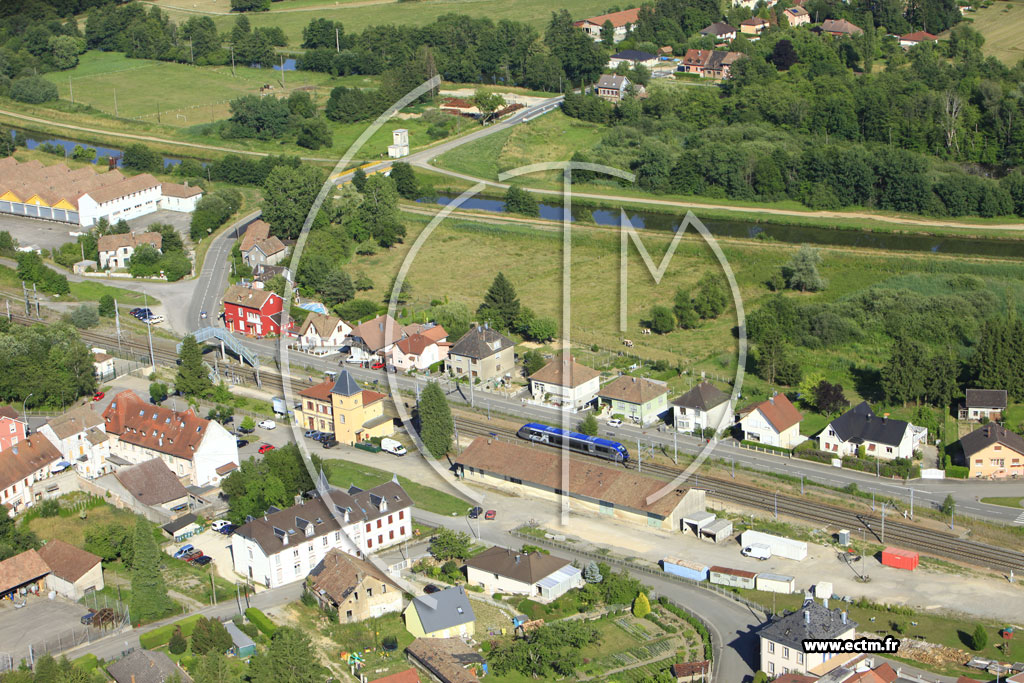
[
  {"x": 807, "y": 616},
  {"x": 825, "y": 603},
  {"x": 771, "y": 399},
  {"x": 844, "y": 618},
  {"x": 284, "y": 539},
  {"x": 885, "y": 416}
]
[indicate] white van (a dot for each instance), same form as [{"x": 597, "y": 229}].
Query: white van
[
  {"x": 393, "y": 447},
  {"x": 758, "y": 551}
]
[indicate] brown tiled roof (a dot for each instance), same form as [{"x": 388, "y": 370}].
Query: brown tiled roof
[
  {"x": 33, "y": 453},
  {"x": 691, "y": 668},
  {"x": 591, "y": 480},
  {"x": 840, "y": 26},
  {"x": 143, "y": 181},
  {"x": 522, "y": 567},
  {"x": 778, "y": 411},
  {"x": 180, "y": 191},
  {"x": 75, "y": 421},
  {"x": 407, "y": 676},
  {"x": 435, "y": 333},
  {"x": 372, "y": 332},
  {"x": 225, "y": 468},
  {"x": 372, "y": 396},
  {"x": 320, "y": 392},
  {"x": 257, "y": 231},
  {"x": 638, "y": 390},
  {"x": 247, "y": 297},
  {"x": 57, "y": 182},
  {"x": 9, "y": 411},
  {"x": 364, "y": 506},
  {"x": 66, "y": 561},
  {"x": 415, "y": 345},
  {"x": 20, "y": 569},
  {"x": 552, "y": 373},
  {"x": 339, "y": 573},
  {"x": 151, "y": 482},
  {"x": 988, "y": 435},
  {"x": 101, "y": 357},
  {"x": 618, "y": 19},
  {"x": 697, "y": 57},
  {"x": 270, "y": 246},
  {"x": 128, "y": 239},
  {"x": 154, "y": 427},
  {"x": 734, "y": 572},
  {"x": 325, "y": 325},
  {"x": 446, "y": 658},
  {"x": 918, "y": 36},
  {"x": 754, "y": 21}
]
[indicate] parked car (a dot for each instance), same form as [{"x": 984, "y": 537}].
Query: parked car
[
  {"x": 193, "y": 556},
  {"x": 392, "y": 446},
  {"x": 265, "y": 447},
  {"x": 87, "y": 618},
  {"x": 141, "y": 313},
  {"x": 154, "y": 320},
  {"x": 758, "y": 551},
  {"x": 431, "y": 588},
  {"x": 244, "y": 430},
  {"x": 377, "y": 366},
  {"x": 615, "y": 422},
  {"x": 241, "y": 443},
  {"x": 267, "y": 424},
  {"x": 134, "y": 311},
  {"x": 314, "y": 434},
  {"x": 491, "y": 514},
  {"x": 329, "y": 442},
  {"x": 353, "y": 360},
  {"x": 183, "y": 550},
  {"x": 228, "y": 529},
  {"x": 475, "y": 512},
  {"x": 219, "y": 524},
  {"x": 202, "y": 314},
  {"x": 202, "y": 561},
  {"x": 98, "y": 396}
]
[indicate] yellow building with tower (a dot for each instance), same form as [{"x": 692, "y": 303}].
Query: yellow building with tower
[{"x": 352, "y": 413}]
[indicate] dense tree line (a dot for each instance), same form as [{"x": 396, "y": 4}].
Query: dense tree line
[
  {"x": 272, "y": 118},
  {"x": 929, "y": 134},
  {"x": 50, "y": 362},
  {"x": 275, "y": 479}
]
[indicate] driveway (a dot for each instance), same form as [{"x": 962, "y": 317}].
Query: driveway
[
  {"x": 39, "y": 620},
  {"x": 179, "y": 220}
]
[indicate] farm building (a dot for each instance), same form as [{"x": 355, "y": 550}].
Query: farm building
[
  {"x": 83, "y": 196},
  {"x": 595, "y": 488},
  {"x": 21, "y": 574},
  {"x": 73, "y": 571},
  {"x": 695, "y": 571},
  {"x": 775, "y": 583},
  {"x": 696, "y": 521},
  {"x": 503, "y": 570},
  {"x": 737, "y": 578}
]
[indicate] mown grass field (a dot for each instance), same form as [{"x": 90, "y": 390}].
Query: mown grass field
[
  {"x": 531, "y": 256},
  {"x": 292, "y": 17},
  {"x": 344, "y": 473},
  {"x": 1001, "y": 24}
]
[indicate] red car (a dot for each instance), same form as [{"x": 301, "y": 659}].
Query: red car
[
  {"x": 98, "y": 396},
  {"x": 193, "y": 556},
  {"x": 490, "y": 514},
  {"x": 377, "y": 366},
  {"x": 265, "y": 447}
]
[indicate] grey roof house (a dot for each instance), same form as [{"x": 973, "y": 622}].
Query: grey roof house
[
  {"x": 440, "y": 615},
  {"x": 509, "y": 571},
  {"x": 146, "y": 666},
  {"x": 482, "y": 352},
  {"x": 699, "y": 408},
  {"x": 880, "y": 436},
  {"x": 782, "y": 639},
  {"x": 981, "y": 403}
]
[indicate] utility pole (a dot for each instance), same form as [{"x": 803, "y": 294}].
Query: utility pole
[
  {"x": 911, "y": 503},
  {"x": 882, "y": 538},
  {"x": 158, "y": 112},
  {"x": 675, "y": 446},
  {"x": 337, "y": 40},
  {"x": 115, "y": 101},
  {"x": 232, "y": 61},
  {"x": 191, "y": 52},
  {"x": 149, "y": 332},
  {"x": 282, "y": 71},
  {"x": 117, "y": 325},
  {"x": 776, "y": 505},
  {"x": 24, "y": 289},
  {"x": 72, "y": 89},
  {"x": 639, "y": 457},
  {"x": 801, "y": 484}
]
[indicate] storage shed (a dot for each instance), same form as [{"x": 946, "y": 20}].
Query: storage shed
[
  {"x": 183, "y": 527},
  {"x": 717, "y": 531},
  {"x": 242, "y": 645},
  {"x": 901, "y": 559},
  {"x": 695, "y": 571},
  {"x": 738, "y": 578},
  {"x": 696, "y": 521},
  {"x": 775, "y": 583}
]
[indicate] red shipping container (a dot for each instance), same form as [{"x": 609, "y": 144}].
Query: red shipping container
[{"x": 901, "y": 559}]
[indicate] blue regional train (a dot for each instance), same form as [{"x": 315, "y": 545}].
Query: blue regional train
[{"x": 581, "y": 443}]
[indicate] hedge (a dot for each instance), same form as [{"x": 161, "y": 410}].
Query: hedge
[
  {"x": 261, "y": 620},
  {"x": 758, "y": 444},
  {"x": 693, "y": 621},
  {"x": 958, "y": 472},
  {"x": 162, "y": 635}
]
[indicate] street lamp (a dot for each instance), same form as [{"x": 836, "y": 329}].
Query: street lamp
[{"x": 24, "y": 410}]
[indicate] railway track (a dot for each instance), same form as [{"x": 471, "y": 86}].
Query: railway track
[{"x": 929, "y": 541}]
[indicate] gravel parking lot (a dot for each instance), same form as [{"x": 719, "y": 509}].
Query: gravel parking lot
[
  {"x": 36, "y": 232},
  {"x": 217, "y": 546}
]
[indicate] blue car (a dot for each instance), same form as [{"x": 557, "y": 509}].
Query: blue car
[
  {"x": 311, "y": 434},
  {"x": 183, "y": 551}
]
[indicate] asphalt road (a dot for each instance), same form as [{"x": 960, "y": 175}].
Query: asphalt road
[{"x": 209, "y": 287}]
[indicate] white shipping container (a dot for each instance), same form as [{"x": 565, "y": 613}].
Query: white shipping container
[{"x": 781, "y": 547}]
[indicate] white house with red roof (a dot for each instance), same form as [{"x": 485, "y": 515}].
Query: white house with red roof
[
  {"x": 255, "y": 312},
  {"x": 322, "y": 331},
  {"x": 773, "y": 422},
  {"x": 194, "y": 448},
  {"x": 23, "y": 465},
  {"x": 912, "y": 39},
  {"x": 420, "y": 350},
  {"x": 623, "y": 22},
  {"x": 12, "y": 427}
]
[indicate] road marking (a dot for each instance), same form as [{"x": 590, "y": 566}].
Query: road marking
[{"x": 1020, "y": 519}]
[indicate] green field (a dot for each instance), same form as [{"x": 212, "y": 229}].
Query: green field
[
  {"x": 1008, "y": 501},
  {"x": 344, "y": 473},
  {"x": 292, "y": 17},
  {"x": 1001, "y": 24}
]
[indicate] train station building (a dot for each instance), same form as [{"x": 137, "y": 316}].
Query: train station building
[{"x": 595, "y": 488}]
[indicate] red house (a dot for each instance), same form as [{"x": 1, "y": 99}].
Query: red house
[
  {"x": 254, "y": 312},
  {"x": 12, "y": 428}
]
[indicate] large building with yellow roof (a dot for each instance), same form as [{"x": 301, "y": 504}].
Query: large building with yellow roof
[{"x": 83, "y": 196}]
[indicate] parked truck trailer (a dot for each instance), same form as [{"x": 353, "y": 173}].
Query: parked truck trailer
[{"x": 780, "y": 546}]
